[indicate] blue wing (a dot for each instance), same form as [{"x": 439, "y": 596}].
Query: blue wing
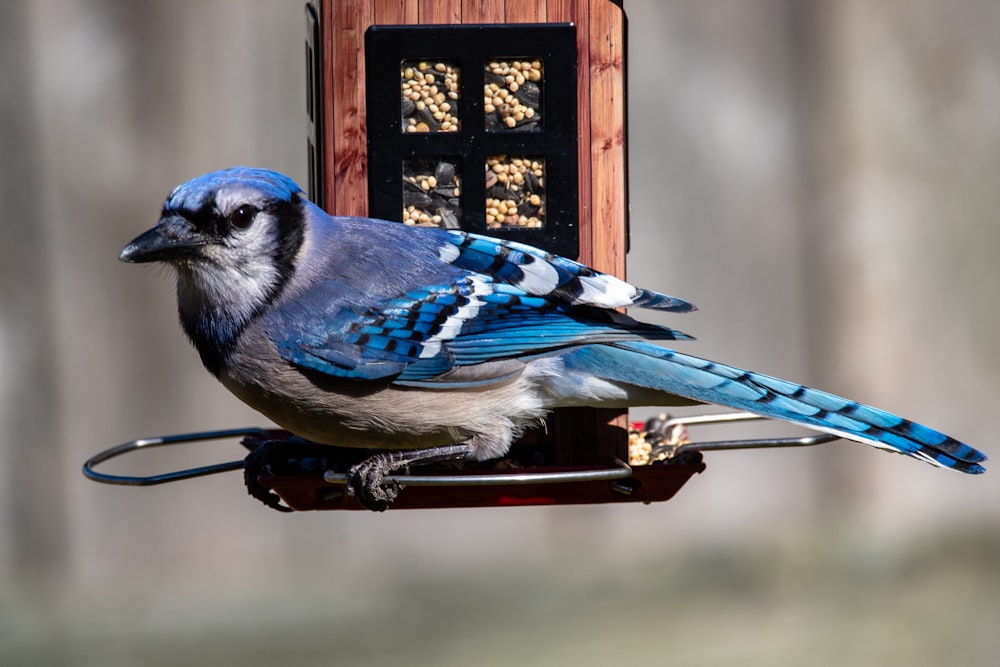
[
  {"x": 431, "y": 330},
  {"x": 448, "y": 299},
  {"x": 542, "y": 273}
]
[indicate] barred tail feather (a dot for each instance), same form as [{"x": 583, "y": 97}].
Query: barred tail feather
[{"x": 647, "y": 366}]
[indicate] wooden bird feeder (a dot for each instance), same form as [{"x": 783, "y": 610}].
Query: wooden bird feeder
[{"x": 500, "y": 117}]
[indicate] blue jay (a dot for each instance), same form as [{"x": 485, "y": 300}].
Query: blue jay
[{"x": 437, "y": 344}]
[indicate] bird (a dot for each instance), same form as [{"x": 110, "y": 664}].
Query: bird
[{"x": 432, "y": 344}]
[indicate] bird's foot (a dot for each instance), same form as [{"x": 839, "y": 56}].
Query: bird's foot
[
  {"x": 366, "y": 480},
  {"x": 287, "y": 456},
  {"x": 259, "y": 462}
]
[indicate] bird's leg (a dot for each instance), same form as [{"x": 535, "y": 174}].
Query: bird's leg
[{"x": 366, "y": 480}]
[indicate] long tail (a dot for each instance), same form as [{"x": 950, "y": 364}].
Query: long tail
[{"x": 647, "y": 366}]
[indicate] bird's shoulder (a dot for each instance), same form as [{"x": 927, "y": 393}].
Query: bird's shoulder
[{"x": 395, "y": 252}]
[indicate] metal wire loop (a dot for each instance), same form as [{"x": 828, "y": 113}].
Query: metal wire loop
[
  {"x": 672, "y": 451},
  {"x": 163, "y": 441}
]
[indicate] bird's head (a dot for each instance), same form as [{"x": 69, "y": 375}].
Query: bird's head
[
  {"x": 233, "y": 236},
  {"x": 232, "y": 217}
]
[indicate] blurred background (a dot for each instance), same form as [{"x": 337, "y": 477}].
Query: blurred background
[{"x": 821, "y": 178}]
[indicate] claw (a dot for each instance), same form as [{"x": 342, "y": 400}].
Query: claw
[{"x": 366, "y": 480}]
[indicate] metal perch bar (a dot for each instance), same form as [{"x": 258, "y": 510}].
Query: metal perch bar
[{"x": 620, "y": 471}]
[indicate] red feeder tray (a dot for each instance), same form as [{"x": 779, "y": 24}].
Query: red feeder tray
[{"x": 504, "y": 487}]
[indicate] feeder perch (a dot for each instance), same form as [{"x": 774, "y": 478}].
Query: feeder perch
[{"x": 291, "y": 474}]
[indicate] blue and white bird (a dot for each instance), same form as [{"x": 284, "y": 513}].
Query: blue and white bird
[{"x": 440, "y": 344}]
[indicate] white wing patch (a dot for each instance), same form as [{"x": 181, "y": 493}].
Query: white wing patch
[
  {"x": 452, "y": 326},
  {"x": 449, "y": 252},
  {"x": 540, "y": 278},
  {"x": 605, "y": 290}
]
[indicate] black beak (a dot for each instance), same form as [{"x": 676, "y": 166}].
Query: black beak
[{"x": 171, "y": 240}]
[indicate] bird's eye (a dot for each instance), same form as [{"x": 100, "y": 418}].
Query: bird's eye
[{"x": 243, "y": 216}]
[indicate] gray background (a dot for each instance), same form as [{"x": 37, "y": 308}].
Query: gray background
[{"x": 821, "y": 178}]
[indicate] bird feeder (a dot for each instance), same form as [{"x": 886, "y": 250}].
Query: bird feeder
[{"x": 501, "y": 117}]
